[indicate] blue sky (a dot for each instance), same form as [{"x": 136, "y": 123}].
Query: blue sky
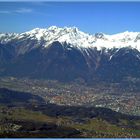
[{"x": 91, "y": 17}]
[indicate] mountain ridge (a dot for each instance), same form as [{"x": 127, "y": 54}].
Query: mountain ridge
[{"x": 75, "y": 37}]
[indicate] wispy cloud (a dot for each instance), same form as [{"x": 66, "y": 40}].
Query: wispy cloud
[
  {"x": 17, "y": 11},
  {"x": 4, "y": 12},
  {"x": 24, "y": 10}
]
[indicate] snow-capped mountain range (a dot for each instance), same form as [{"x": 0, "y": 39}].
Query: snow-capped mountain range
[
  {"x": 77, "y": 38},
  {"x": 67, "y": 54}
]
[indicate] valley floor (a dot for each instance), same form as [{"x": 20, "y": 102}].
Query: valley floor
[{"x": 120, "y": 97}]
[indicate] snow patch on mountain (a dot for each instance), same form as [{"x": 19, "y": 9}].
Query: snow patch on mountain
[
  {"x": 76, "y": 38},
  {"x": 6, "y": 37}
]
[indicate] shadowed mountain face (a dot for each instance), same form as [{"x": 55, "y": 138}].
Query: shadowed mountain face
[
  {"x": 64, "y": 63},
  {"x": 54, "y": 62},
  {"x": 55, "y": 58}
]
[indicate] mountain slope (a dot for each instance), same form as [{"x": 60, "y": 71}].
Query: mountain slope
[
  {"x": 52, "y": 121},
  {"x": 67, "y": 54}
]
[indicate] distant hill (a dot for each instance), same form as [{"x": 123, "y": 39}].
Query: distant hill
[{"x": 10, "y": 97}]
